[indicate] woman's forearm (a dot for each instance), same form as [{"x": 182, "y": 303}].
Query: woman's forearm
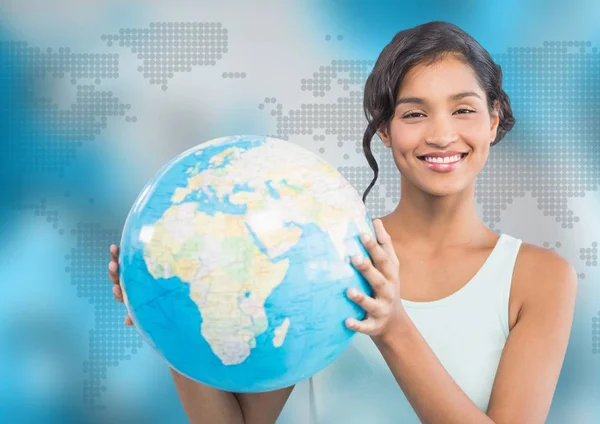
[
  {"x": 204, "y": 404},
  {"x": 431, "y": 391}
]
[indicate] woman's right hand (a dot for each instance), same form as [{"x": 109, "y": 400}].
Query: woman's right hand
[{"x": 113, "y": 274}]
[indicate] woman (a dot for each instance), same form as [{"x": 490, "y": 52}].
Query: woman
[{"x": 468, "y": 326}]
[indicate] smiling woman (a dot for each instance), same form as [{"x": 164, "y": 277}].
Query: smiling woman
[{"x": 462, "y": 331}]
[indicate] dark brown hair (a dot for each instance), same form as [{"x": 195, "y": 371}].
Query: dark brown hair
[{"x": 426, "y": 44}]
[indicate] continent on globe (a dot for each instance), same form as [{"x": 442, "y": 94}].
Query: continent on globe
[{"x": 218, "y": 258}]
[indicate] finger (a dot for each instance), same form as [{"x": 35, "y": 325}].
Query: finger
[
  {"x": 367, "y": 326},
  {"x": 114, "y": 251},
  {"x": 375, "y": 278},
  {"x": 118, "y": 293},
  {"x": 128, "y": 320},
  {"x": 379, "y": 257},
  {"x": 384, "y": 240},
  {"x": 113, "y": 273},
  {"x": 370, "y": 305}
]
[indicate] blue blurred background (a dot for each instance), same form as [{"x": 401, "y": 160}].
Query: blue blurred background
[{"x": 95, "y": 96}]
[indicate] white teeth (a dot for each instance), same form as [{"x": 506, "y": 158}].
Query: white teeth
[{"x": 443, "y": 160}]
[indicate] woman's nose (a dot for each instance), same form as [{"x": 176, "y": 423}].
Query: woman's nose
[{"x": 441, "y": 131}]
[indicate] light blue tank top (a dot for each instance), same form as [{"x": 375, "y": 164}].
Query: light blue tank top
[{"x": 466, "y": 330}]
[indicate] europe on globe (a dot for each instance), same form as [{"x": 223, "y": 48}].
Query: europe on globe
[{"x": 234, "y": 262}]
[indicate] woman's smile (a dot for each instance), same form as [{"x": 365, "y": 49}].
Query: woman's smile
[{"x": 443, "y": 165}]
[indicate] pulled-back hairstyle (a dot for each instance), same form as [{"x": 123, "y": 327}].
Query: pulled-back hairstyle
[{"x": 426, "y": 44}]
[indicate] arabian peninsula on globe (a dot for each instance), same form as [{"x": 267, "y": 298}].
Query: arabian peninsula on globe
[{"x": 234, "y": 263}]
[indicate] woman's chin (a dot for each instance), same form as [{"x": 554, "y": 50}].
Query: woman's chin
[{"x": 446, "y": 189}]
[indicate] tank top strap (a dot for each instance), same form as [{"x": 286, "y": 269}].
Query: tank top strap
[{"x": 500, "y": 270}]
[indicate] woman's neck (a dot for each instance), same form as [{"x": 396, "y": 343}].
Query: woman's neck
[{"x": 433, "y": 223}]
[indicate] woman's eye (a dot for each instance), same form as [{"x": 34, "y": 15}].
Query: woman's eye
[
  {"x": 466, "y": 110},
  {"x": 413, "y": 115},
  {"x": 419, "y": 114}
]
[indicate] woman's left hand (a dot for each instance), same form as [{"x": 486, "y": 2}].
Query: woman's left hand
[{"x": 382, "y": 273}]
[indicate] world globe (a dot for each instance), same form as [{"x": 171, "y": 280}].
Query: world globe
[{"x": 234, "y": 263}]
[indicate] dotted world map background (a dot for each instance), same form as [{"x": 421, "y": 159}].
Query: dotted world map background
[{"x": 554, "y": 89}]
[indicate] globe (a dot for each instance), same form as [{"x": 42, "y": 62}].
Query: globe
[{"x": 234, "y": 263}]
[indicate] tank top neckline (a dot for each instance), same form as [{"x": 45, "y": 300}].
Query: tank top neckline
[{"x": 461, "y": 291}]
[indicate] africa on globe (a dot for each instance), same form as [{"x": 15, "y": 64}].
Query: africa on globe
[{"x": 234, "y": 263}]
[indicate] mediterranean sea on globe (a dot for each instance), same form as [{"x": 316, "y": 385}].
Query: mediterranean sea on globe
[{"x": 234, "y": 262}]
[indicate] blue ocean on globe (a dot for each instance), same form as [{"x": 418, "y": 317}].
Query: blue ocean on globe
[{"x": 234, "y": 263}]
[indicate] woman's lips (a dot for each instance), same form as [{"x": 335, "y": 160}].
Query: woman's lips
[{"x": 444, "y": 167}]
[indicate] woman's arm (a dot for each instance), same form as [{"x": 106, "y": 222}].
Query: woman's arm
[
  {"x": 531, "y": 359},
  {"x": 259, "y": 408},
  {"x": 204, "y": 404},
  {"x": 530, "y": 364},
  {"x": 535, "y": 350}
]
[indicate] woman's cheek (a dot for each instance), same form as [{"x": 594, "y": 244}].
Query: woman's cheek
[
  {"x": 473, "y": 129},
  {"x": 408, "y": 137}
]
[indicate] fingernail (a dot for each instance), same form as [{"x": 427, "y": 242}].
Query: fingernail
[
  {"x": 365, "y": 237},
  {"x": 351, "y": 292},
  {"x": 357, "y": 259}
]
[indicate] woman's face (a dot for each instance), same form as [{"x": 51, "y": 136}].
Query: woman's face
[{"x": 440, "y": 109}]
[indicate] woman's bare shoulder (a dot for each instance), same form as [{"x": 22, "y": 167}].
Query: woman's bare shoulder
[
  {"x": 536, "y": 262},
  {"x": 541, "y": 274}
]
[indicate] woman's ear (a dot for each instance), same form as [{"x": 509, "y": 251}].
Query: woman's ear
[
  {"x": 385, "y": 137},
  {"x": 495, "y": 119}
]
